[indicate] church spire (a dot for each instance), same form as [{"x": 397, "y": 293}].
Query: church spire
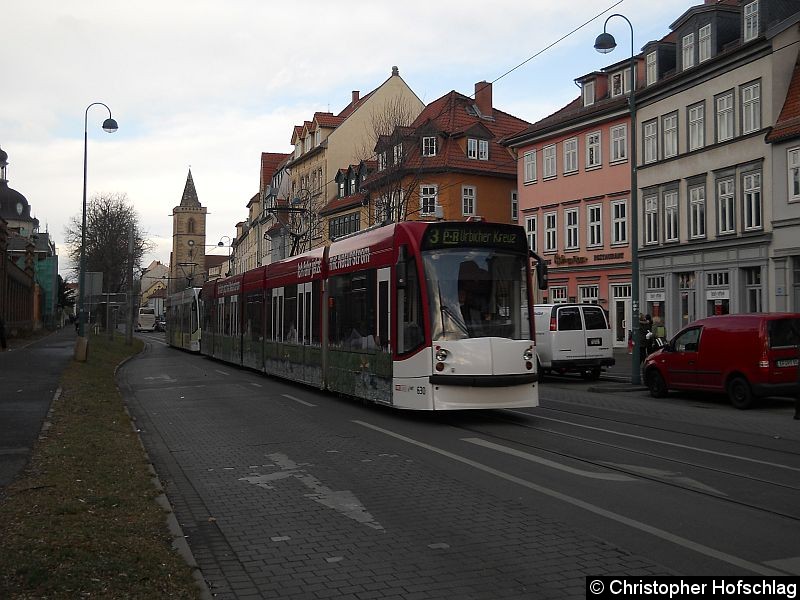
[{"x": 189, "y": 193}]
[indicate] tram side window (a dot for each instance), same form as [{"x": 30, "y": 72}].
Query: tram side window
[
  {"x": 316, "y": 295},
  {"x": 268, "y": 315},
  {"x": 290, "y": 313},
  {"x": 409, "y": 312},
  {"x": 351, "y": 312},
  {"x": 253, "y": 325}
]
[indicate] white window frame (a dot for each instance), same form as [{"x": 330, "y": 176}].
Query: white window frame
[
  {"x": 317, "y": 137},
  {"x": 697, "y": 130},
  {"x": 428, "y": 198},
  {"x": 594, "y": 226},
  {"x": 753, "y": 291},
  {"x": 571, "y": 234},
  {"x": 651, "y": 72},
  {"x": 587, "y": 91},
  {"x": 514, "y": 205},
  {"x": 619, "y": 222},
  {"x": 570, "y": 155},
  {"x": 550, "y": 232},
  {"x": 793, "y": 164},
  {"x": 558, "y": 294},
  {"x": 651, "y": 220},
  {"x": 589, "y": 294},
  {"x": 594, "y": 150},
  {"x": 724, "y": 116},
  {"x": 752, "y": 201},
  {"x": 726, "y": 206},
  {"x": 687, "y": 51},
  {"x": 620, "y": 82},
  {"x": 671, "y": 223},
  {"x": 549, "y": 162},
  {"x": 381, "y": 161},
  {"x": 619, "y": 143},
  {"x": 651, "y": 141},
  {"x": 750, "y": 14},
  {"x": 697, "y": 212},
  {"x": 669, "y": 128},
  {"x": 529, "y": 166},
  {"x": 483, "y": 150},
  {"x": 751, "y": 108},
  {"x": 429, "y": 145},
  {"x": 472, "y": 148},
  {"x": 468, "y": 200},
  {"x": 704, "y": 43},
  {"x": 530, "y": 231},
  {"x": 397, "y": 152}
]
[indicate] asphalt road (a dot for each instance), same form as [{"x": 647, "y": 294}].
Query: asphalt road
[{"x": 283, "y": 491}]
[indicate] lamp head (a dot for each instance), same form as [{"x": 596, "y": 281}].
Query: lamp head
[
  {"x": 219, "y": 243},
  {"x": 110, "y": 125},
  {"x": 605, "y": 43}
]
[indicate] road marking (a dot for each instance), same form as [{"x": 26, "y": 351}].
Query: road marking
[
  {"x": 255, "y": 384},
  {"x": 668, "y": 476},
  {"x": 674, "y": 444},
  {"x": 548, "y": 463},
  {"x": 297, "y": 400},
  {"x": 655, "y": 531},
  {"x": 221, "y": 372},
  {"x": 790, "y": 565},
  {"x": 166, "y": 378}
]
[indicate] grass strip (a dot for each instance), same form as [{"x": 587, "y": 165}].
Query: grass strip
[{"x": 81, "y": 522}]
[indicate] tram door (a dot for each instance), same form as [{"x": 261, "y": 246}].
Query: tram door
[
  {"x": 384, "y": 309},
  {"x": 304, "y": 309},
  {"x": 277, "y": 314}
]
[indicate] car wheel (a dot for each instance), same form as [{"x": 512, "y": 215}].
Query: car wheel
[
  {"x": 591, "y": 374},
  {"x": 656, "y": 384},
  {"x": 739, "y": 392}
]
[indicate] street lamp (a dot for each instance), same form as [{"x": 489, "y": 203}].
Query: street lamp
[
  {"x": 109, "y": 126},
  {"x": 604, "y": 44},
  {"x": 230, "y": 252}
]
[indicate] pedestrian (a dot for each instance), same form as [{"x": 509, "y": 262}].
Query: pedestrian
[
  {"x": 645, "y": 333},
  {"x": 2, "y": 334}
]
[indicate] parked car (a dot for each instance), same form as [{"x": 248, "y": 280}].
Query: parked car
[
  {"x": 747, "y": 356},
  {"x": 572, "y": 338},
  {"x": 161, "y": 324}
]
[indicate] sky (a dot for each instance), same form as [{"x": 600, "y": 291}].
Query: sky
[{"x": 210, "y": 86}]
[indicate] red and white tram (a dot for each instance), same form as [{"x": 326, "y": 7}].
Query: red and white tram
[{"x": 425, "y": 316}]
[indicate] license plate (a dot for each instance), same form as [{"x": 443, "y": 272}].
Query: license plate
[
  {"x": 595, "y": 341},
  {"x": 792, "y": 362}
]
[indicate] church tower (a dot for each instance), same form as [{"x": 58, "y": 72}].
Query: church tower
[{"x": 188, "y": 258}]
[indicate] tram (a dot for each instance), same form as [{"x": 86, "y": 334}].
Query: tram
[
  {"x": 183, "y": 319},
  {"x": 383, "y": 315}
]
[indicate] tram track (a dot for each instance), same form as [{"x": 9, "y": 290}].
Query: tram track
[{"x": 635, "y": 473}]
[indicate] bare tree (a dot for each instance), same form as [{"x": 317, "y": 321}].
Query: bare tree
[{"x": 110, "y": 218}]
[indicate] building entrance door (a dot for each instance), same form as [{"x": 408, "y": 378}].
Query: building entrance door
[{"x": 620, "y": 314}]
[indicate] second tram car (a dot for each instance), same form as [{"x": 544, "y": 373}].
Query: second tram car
[
  {"x": 425, "y": 316},
  {"x": 183, "y": 319}
]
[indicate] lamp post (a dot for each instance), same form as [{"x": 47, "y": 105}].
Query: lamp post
[
  {"x": 109, "y": 126},
  {"x": 604, "y": 44},
  {"x": 230, "y": 252}
]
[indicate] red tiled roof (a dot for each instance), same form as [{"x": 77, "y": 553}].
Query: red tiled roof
[
  {"x": 351, "y": 108},
  {"x": 271, "y": 162},
  {"x": 788, "y": 124},
  {"x": 297, "y": 132},
  {"x": 328, "y": 120},
  {"x": 338, "y": 204}
]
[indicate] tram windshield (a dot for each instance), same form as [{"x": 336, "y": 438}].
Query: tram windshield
[{"x": 476, "y": 292}]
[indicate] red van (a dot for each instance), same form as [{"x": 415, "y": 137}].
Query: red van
[{"x": 746, "y": 356}]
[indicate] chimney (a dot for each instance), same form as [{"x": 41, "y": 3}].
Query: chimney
[
  {"x": 395, "y": 71},
  {"x": 355, "y": 97},
  {"x": 483, "y": 98}
]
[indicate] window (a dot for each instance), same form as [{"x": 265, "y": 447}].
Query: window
[
  {"x": 752, "y": 201},
  {"x": 570, "y": 155},
  {"x": 652, "y": 74},
  {"x": 549, "y": 162},
  {"x": 671, "y": 231},
  {"x": 669, "y": 126},
  {"x": 725, "y": 207},
  {"x": 467, "y": 200},
  {"x": 793, "y": 160},
  {"x": 588, "y": 93},
  {"x": 594, "y": 230},
  {"x": 651, "y": 141},
  {"x": 718, "y": 279},
  {"x": 483, "y": 150},
  {"x": 429, "y": 146},
  {"x": 428, "y": 199},
  {"x": 298, "y": 149},
  {"x": 697, "y": 127},
  {"x": 593, "y": 157},
  {"x": 514, "y": 206},
  {"x": 704, "y": 39},
  {"x": 558, "y": 294},
  {"x": 317, "y": 137},
  {"x": 398, "y": 153},
  {"x": 550, "y": 237},
  {"x": 341, "y": 188},
  {"x": 590, "y": 294},
  {"x": 751, "y": 108},
  {"x": 750, "y": 21},
  {"x": 621, "y": 83},
  {"x": 619, "y": 143},
  {"x": 687, "y": 45},
  {"x": 651, "y": 220},
  {"x": 725, "y": 117},
  {"x": 619, "y": 222},
  {"x": 381, "y": 161},
  {"x": 529, "y": 162},
  {"x": 472, "y": 148},
  {"x": 697, "y": 212},
  {"x": 530, "y": 229},
  {"x": 752, "y": 283},
  {"x": 571, "y": 228}
]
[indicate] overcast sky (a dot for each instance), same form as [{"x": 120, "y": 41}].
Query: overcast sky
[{"x": 211, "y": 85}]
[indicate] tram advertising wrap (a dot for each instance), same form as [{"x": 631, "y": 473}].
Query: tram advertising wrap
[{"x": 420, "y": 316}]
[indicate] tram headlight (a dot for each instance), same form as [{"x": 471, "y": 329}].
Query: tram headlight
[
  {"x": 528, "y": 354},
  {"x": 441, "y": 354}
]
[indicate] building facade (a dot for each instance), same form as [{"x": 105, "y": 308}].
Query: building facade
[{"x": 187, "y": 259}]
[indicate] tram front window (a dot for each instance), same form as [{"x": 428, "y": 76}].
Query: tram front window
[{"x": 476, "y": 293}]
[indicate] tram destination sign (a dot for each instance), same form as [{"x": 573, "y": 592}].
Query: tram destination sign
[{"x": 440, "y": 236}]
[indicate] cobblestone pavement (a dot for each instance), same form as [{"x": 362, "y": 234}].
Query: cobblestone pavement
[{"x": 278, "y": 501}]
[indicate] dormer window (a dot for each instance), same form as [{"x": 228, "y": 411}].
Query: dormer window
[
  {"x": 650, "y": 63},
  {"x": 352, "y": 184},
  {"x": 588, "y": 93},
  {"x": 381, "y": 161},
  {"x": 687, "y": 45},
  {"x": 483, "y": 150},
  {"x": 704, "y": 42},
  {"x": 298, "y": 149},
  {"x": 317, "y": 137},
  {"x": 398, "y": 153},
  {"x": 429, "y": 146},
  {"x": 308, "y": 142},
  {"x": 621, "y": 83},
  {"x": 341, "y": 188},
  {"x": 472, "y": 148},
  {"x": 750, "y": 21},
  {"x": 477, "y": 149}
]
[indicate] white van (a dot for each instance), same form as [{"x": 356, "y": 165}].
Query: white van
[{"x": 572, "y": 338}]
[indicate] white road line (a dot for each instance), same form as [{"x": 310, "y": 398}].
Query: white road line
[
  {"x": 674, "y": 444},
  {"x": 255, "y": 384},
  {"x": 548, "y": 463},
  {"x": 655, "y": 531},
  {"x": 221, "y": 372},
  {"x": 297, "y": 400}
]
